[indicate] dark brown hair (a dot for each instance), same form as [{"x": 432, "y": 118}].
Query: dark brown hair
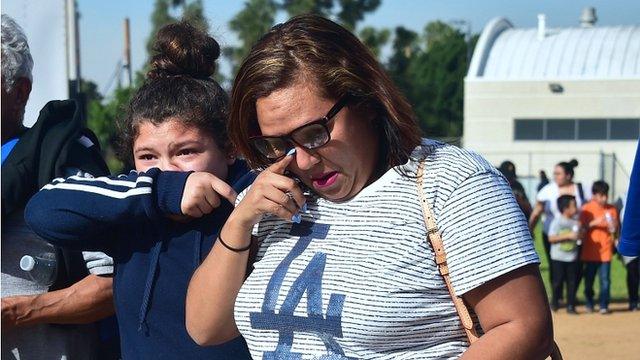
[
  {"x": 178, "y": 87},
  {"x": 310, "y": 47},
  {"x": 568, "y": 167},
  {"x": 600, "y": 187}
]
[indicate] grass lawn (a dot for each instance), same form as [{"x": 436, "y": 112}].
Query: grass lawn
[{"x": 618, "y": 275}]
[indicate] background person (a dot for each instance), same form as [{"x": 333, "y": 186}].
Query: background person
[
  {"x": 347, "y": 272},
  {"x": 564, "y": 234},
  {"x": 544, "y": 180},
  {"x": 508, "y": 169},
  {"x": 56, "y": 145},
  {"x": 632, "y": 263},
  {"x": 175, "y": 125},
  {"x": 630, "y": 235},
  {"x": 546, "y": 202}
]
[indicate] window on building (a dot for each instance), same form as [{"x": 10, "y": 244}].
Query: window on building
[
  {"x": 576, "y": 129},
  {"x": 592, "y": 129},
  {"x": 529, "y": 129},
  {"x": 561, "y": 130},
  {"x": 625, "y": 129}
]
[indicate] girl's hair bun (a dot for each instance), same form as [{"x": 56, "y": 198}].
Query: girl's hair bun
[{"x": 182, "y": 49}]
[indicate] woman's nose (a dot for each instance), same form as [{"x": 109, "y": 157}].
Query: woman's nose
[{"x": 305, "y": 158}]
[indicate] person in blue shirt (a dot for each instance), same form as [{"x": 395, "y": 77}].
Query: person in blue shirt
[
  {"x": 629, "y": 244},
  {"x": 159, "y": 221}
]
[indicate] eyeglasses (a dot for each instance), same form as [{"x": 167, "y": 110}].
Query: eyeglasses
[{"x": 309, "y": 136}]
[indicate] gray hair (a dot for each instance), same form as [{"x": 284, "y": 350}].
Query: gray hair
[{"x": 16, "y": 57}]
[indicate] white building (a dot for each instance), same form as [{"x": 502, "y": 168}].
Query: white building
[{"x": 541, "y": 96}]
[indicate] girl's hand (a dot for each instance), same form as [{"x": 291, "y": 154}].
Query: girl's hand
[
  {"x": 271, "y": 193},
  {"x": 202, "y": 193}
]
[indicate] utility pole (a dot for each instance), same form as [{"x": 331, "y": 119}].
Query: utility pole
[
  {"x": 73, "y": 49},
  {"x": 127, "y": 52},
  {"x": 74, "y": 77}
]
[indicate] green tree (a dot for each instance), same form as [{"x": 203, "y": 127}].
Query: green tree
[
  {"x": 405, "y": 47},
  {"x": 297, "y": 7},
  {"x": 193, "y": 12},
  {"x": 353, "y": 11},
  {"x": 90, "y": 92},
  {"x": 435, "y": 74},
  {"x": 101, "y": 119},
  {"x": 250, "y": 24},
  {"x": 258, "y": 16},
  {"x": 374, "y": 39}
]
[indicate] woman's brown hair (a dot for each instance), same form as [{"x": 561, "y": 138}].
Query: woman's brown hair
[
  {"x": 310, "y": 47},
  {"x": 178, "y": 87}
]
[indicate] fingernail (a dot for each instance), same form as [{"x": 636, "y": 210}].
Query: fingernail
[
  {"x": 296, "y": 218},
  {"x": 291, "y": 152},
  {"x": 304, "y": 207}
]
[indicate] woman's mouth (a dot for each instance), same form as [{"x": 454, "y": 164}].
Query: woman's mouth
[{"x": 324, "y": 180}]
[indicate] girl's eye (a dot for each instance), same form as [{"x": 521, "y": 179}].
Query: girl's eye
[
  {"x": 185, "y": 152},
  {"x": 146, "y": 157}
]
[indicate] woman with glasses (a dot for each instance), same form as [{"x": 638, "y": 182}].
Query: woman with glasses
[
  {"x": 326, "y": 255},
  {"x": 159, "y": 221}
]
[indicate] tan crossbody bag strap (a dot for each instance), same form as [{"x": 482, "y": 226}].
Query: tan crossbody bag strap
[{"x": 441, "y": 261}]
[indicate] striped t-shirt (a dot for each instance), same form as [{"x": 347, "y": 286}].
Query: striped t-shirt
[{"x": 357, "y": 279}]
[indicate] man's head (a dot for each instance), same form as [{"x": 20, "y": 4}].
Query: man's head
[
  {"x": 16, "y": 76},
  {"x": 567, "y": 205},
  {"x": 600, "y": 192}
]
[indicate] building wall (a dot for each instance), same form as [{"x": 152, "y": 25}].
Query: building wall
[{"x": 490, "y": 108}]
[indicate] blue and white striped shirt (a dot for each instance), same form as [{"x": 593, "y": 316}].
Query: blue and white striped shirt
[{"x": 358, "y": 279}]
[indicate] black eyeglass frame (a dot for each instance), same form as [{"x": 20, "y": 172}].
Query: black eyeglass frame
[{"x": 290, "y": 141}]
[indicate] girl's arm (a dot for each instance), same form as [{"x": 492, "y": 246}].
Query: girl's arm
[{"x": 82, "y": 213}]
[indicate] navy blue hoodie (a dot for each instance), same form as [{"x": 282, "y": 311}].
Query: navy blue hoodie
[{"x": 126, "y": 217}]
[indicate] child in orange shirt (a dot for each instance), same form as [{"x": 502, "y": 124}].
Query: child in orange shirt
[{"x": 601, "y": 222}]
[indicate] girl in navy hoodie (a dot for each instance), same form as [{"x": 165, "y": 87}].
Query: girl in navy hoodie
[{"x": 159, "y": 221}]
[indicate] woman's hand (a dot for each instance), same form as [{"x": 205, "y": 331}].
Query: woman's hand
[
  {"x": 271, "y": 193},
  {"x": 202, "y": 193}
]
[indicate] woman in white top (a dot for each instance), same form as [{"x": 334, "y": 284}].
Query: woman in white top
[
  {"x": 340, "y": 266},
  {"x": 546, "y": 200}
]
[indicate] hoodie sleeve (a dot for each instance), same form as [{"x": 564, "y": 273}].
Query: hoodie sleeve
[{"x": 83, "y": 213}]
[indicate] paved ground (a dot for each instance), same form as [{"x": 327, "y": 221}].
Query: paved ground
[{"x": 595, "y": 336}]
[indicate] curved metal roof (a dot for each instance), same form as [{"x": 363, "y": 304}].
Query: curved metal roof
[{"x": 506, "y": 53}]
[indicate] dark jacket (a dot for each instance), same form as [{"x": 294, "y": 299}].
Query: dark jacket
[
  {"x": 126, "y": 217},
  {"x": 47, "y": 151}
]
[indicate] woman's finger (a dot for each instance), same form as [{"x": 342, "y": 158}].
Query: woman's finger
[
  {"x": 277, "y": 209},
  {"x": 280, "y": 166},
  {"x": 286, "y": 185},
  {"x": 281, "y": 198}
]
